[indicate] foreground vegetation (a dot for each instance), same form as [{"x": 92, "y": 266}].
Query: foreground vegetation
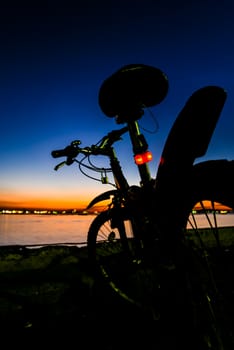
[{"x": 53, "y": 287}]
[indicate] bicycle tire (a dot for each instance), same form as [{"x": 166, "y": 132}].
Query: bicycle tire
[
  {"x": 112, "y": 261},
  {"x": 213, "y": 182},
  {"x": 210, "y": 181},
  {"x": 103, "y": 238}
]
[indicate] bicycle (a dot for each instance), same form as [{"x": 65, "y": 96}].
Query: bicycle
[{"x": 138, "y": 244}]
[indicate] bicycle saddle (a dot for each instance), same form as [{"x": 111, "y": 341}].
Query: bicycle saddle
[{"x": 132, "y": 88}]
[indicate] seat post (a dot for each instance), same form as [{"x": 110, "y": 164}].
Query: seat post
[{"x": 139, "y": 145}]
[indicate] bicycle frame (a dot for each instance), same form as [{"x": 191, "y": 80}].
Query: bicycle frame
[
  {"x": 174, "y": 172},
  {"x": 139, "y": 146},
  {"x": 178, "y": 156},
  {"x": 176, "y": 162}
]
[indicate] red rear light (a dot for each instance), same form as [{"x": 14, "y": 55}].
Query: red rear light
[
  {"x": 162, "y": 161},
  {"x": 143, "y": 158}
]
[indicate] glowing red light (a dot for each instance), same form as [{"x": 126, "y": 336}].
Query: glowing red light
[
  {"x": 143, "y": 158},
  {"x": 162, "y": 161}
]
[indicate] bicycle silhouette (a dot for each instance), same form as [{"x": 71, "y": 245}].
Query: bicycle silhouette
[{"x": 140, "y": 243}]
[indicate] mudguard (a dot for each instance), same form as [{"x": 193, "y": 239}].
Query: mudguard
[
  {"x": 102, "y": 197},
  {"x": 192, "y": 130},
  {"x": 188, "y": 139}
]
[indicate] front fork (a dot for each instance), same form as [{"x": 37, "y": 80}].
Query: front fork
[{"x": 143, "y": 225}]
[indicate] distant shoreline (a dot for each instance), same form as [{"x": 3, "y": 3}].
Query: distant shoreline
[
  {"x": 49, "y": 212},
  {"x": 83, "y": 211}
]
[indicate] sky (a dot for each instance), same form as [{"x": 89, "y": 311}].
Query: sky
[{"x": 54, "y": 58}]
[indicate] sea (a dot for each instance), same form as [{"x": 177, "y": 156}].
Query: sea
[{"x": 36, "y": 230}]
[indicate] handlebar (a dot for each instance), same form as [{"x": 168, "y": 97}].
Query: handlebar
[
  {"x": 73, "y": 149},
  {"x": 112, "y": 137}
]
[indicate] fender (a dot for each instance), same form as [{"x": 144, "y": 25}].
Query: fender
[
  {"x": 192, "y": 130},
  {"x": 102, "y": 197},
  {"x": 188, "y": 139}
]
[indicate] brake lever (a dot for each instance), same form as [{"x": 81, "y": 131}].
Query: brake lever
[{"x": 60, "y": 165}]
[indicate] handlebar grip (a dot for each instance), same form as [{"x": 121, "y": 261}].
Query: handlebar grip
[
  {"x": 69, "y": 152},
  {"x": 59, "y": 153}
]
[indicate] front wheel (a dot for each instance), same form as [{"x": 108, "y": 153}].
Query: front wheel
[
  {"x": 122, "y": 266},
  {"x": 108, "y": 234}
]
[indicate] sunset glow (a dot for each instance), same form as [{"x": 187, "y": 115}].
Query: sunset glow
[
  {"x": 44, "y": 202},
  {"x": 208, "y": 205},
  {"x": 49, "y": 202},
  {"x": 53, "y": 63}
]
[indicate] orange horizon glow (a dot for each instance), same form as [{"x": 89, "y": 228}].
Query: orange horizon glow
[
  {"x": 45, "y": 204},
  {"x": 208, "y": 205},
  {"x": 62, "y": 197},
  {"x": 60, "y": 204}
]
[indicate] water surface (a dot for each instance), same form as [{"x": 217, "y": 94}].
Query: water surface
[
  {"x": 43, "y": 229},
  {"x": 50, "y": 229}
]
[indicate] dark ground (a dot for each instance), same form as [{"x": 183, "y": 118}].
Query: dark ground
[
  {"x": 50, "y": 287},
  {"x": 53, "y": 289}
]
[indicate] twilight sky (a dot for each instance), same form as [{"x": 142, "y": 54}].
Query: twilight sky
[{"x": 54, "y": 57}]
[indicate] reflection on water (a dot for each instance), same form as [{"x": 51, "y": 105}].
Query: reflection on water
[
  {"x": 222, "y": 220},
  {"x": 43, "y": 229},
  {"x": 48, "y": 229}
]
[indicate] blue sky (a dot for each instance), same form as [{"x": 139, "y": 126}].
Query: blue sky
[{"x": 54, "y": 57}]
